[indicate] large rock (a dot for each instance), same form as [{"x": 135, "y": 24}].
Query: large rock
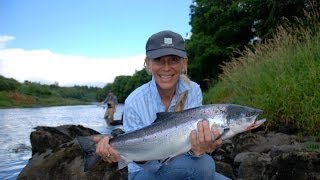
[
  {"x": 259, "y": 155},
  {"x": 56, "y": 155},
  {"x": 46, "y": 138},
  {"x": 270, "y": 155}
]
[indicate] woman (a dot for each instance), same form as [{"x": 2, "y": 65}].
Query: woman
[{"x": 166, "y": 60}]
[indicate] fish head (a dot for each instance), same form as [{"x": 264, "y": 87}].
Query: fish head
[{"x": 242, "y": 118}]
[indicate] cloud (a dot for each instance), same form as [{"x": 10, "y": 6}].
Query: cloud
[
  {"x": 47, "y": 67},
  {"x": 4, "y": 40}
]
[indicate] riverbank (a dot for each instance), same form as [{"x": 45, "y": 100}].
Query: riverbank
[
  {"x": 18, "y": 100},
  {"x": 31, "y": 94}
]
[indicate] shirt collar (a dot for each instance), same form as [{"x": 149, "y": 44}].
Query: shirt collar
[{"x": 181, "y": 87}]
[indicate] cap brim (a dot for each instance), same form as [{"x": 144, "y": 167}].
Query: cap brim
[{"x": 165, "y": 52}]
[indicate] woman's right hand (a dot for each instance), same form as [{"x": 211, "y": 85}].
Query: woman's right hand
[
  {"x": 104, "y": 150},
  {"x": 203, "y": 140}
]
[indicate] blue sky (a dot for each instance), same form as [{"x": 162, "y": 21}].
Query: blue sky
[{"x": 80, "y": 41}]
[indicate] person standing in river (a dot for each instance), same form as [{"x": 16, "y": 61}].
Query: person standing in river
[
  {"x": 112, "y": 102},
  {"x": 169, "y": 90}
]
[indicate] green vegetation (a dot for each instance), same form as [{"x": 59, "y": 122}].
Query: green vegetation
[
  {"x": 281, "y": 77},
  {"x": 29, "y": 94},
  {"x": 219, "y": 27},
  {"x": 122, "y": 86}
]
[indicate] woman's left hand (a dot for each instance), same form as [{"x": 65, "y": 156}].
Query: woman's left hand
[
  {"x": 203, "y": 140},
  {"x": 104, "y": 149}
]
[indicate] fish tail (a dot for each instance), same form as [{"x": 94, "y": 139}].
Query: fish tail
[{"x": 88, "y": 148}]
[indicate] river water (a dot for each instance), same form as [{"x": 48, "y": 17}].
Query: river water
[{"x": 17, "y": 124}]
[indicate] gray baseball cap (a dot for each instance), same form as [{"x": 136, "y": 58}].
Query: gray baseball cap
[{"x": 165, "y": 43}]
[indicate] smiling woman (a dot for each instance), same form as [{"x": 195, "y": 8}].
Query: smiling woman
[{"x": 166, "y": 60}]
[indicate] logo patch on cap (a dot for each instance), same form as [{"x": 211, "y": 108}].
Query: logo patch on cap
[{"x": 167, "y": 42}]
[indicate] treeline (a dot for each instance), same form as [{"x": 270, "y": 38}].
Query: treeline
[
  {"x": 122, "y": 86},
  {"x": 15, "y": 94},
  {"x": 223, "y": 28},
  {"x": 83, "y": 93}
]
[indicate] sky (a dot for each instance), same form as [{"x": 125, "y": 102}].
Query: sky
[{"x": 82, "y": 42}]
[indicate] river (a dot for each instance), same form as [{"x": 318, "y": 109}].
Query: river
[{"x": 16, "y": 125}]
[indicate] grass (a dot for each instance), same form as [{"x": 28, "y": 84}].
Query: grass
[{"x": 280, "y": 76}]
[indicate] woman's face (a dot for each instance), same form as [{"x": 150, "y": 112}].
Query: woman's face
[{"x": 166, "y": 70}]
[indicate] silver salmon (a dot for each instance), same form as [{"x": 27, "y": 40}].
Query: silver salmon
[{"x": 169, "y": 135}]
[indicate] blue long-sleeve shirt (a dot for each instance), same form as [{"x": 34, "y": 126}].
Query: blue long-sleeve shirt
[{"x": 144, "y": 103}]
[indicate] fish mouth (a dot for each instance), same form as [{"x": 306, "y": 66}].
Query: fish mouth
[
  {"x": 257, "y": 113},
  {"x": 255, "y": 122}
]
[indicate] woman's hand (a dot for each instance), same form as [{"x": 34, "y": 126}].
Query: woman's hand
[
  {"x": 104, "y": 150},
  {"x": 204, "y": 140}
]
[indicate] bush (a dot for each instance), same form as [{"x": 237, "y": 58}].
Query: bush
[
  {"x": 35, "y": 89},
  {"x": 281, "y": 76},
  {"x": 8, "y": 84}
]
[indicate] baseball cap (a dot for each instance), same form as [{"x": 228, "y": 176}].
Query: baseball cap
[{"x": 165, "y": 43}]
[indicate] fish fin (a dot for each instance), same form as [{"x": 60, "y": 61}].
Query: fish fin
[
  {"x": 122, "y": 163},
  {"x": 88, "y": 148},
  {"x": 152, "y": 165},
  {"x": 161, "y": 116},
  {"x": 224, "y": 132},
  {"x": 166, "y": 160}
]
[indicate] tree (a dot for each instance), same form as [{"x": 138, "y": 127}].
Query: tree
[
  {"x": 122, "y": 86},
  {"x": 272, "y": 13},
  {"x": 218, "y": 28},
  {"x": 222, "y": 28},
  {"x": 8, "y": 84}
]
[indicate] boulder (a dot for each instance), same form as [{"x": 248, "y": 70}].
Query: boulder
[
  {"x": 270, "y": 155},
  {"x": 57, "y": 155}
]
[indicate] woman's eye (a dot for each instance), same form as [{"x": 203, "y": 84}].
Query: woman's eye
[
  {"x": 157, "y": 59},
  {"x": 176, "y": 60}
]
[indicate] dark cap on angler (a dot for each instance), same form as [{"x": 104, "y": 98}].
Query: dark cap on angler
[{"x": 165, "y": 43}]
